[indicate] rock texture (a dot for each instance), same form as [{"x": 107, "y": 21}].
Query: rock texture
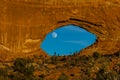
[{"x": 25, "y": 23}]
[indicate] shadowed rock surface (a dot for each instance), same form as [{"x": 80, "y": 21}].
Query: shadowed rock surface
[{"x": 25, "y": 23}]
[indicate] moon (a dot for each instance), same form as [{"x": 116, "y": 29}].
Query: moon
[{"x": 54, "y": 35}]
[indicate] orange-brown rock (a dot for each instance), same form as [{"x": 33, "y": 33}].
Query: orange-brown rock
[{"x": 24, "y": 23}]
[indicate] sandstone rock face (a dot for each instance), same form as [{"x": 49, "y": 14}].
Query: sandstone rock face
[{"x": 25, "y": 23}]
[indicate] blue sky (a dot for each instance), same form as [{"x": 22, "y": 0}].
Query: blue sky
[{"x": 67, "y": 40}]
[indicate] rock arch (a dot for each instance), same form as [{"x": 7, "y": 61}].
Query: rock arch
[{"x": 36, "y": 19}]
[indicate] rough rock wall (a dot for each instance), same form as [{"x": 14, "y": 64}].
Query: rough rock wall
[{"x": 24, "y": 23}]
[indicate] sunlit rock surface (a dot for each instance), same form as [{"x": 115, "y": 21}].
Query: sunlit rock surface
[{"x": 24, "y": 23}]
